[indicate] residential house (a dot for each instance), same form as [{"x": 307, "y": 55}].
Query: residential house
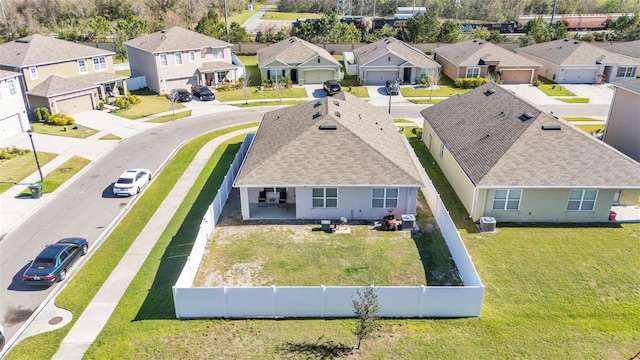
[
  {"x": 13, "y": 114},
  {"x": 509, "y": 160},
  {"x": 299, "y": 61},
  {"x": 391, "y": 59},
  {"x": 568, "y": 61},
  {"x": 623, "y": 126},
  {"x": 328, "y": 158},
  {"x": 179, "y": 58},
  {"x": 477, "y": 57},
  {"x": 629, "y": 48},
  {"x": 62, "y": 76}
]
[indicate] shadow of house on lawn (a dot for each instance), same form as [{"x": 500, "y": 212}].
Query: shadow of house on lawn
[{"x": 158, "y": 303}]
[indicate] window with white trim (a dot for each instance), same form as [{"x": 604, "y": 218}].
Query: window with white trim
[
  {"x": 82, "y": 66},
  {"x": 218, "y": 53},
  {"x": 507, "y": 199},
  {"x": 33, "y": 71},
  {"x": 384, "y": 198},
  {"x": 324, "y": 197},
  {"x": 473, "y": 72},
  {"x": 625, "y": 71},
  {"x": 441, "y": 150},
  {"x": 100, "y": 63},
  {"x": 178, "y": 57},
  {"x": 192, "y": 56},
  {"x": 163, "y": 60},
  {"x": 582, "y": 200},
  {"x": 12, "y": 88},
  {"x": 275, "y": 73}
]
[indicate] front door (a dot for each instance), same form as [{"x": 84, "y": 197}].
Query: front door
[
  {"x": 294, "y": 76},
  {"x": 406, "y": 78}
]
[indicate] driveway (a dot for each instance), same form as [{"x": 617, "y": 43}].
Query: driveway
[{"x": 597, "y": 94}]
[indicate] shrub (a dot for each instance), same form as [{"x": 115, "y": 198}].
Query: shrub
[
  {"x": 133, "y": 99},
  {"x": 101, "y": 105},
  {"x": 470, "y": 83},
  {"x": 537, "y": 83},
  {"x": 61, "y": 120},
  {"x": 42, "y": 114},
  {"x": 122, "y": 103},
  {"x": 7, "y": 153}
]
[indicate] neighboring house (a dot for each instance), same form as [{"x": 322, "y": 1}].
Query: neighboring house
[
  {"x": 509, "y": 160},
  {"x": 60, "y": 75},
  {"x": 298, "y": 60},
  {"x": 329, "y": 158},
  {"x": 629, "y": 48},
  {"x": 475, "y": 58},
  {"x": 179, "y": 58},
  {"x": 391, "y": 59},
  {"x": 568, "y": 61},
  {"x": 623, "y": 126},
  {"x": 13, "y": 114}
]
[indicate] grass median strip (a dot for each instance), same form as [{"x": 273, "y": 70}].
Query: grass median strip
[
  {"x": 574, "y": 100},
  {"x": 14, "y": 170},
  {"x": 60, "y": 175},
  {"x": 170, "y": 117}
]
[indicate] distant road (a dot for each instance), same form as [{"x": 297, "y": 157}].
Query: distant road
[{"x": 255, "y": 23}]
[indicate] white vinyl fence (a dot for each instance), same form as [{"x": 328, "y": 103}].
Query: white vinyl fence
[
  {"x": 324, "y": 301},
  {"x": 136, "y": 83}
]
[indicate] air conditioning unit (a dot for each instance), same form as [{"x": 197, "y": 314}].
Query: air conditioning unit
[{"x": 487, "y": 224}]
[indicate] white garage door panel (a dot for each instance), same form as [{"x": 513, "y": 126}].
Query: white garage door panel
[
  {"x": 184, "y": 83},
  {"x": 10, "y": 126},
  {"x": 579, "y": 76},
  {"x": 380, "y": 77},
  {"x": 75, "y": 105},
  {"x": 317, "y": 76},
  {"x": 516, "y": 76}
]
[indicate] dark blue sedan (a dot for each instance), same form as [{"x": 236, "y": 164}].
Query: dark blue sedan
[{"x": 52, "y": 263}]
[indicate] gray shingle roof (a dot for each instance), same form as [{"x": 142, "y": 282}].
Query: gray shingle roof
[
  {"x": 497, "y": 147},
  {"x": 55, "y": 85},
  {"x": 629, "y": 48},
  {"x": 629, "y": 84},
  {"x": 574, "y": 52},
  {"x": 381, "y": 47},
  {"x": 470, "y": 53},
  {"x": 39, "y": 49},
  {"x": 292, "y": 51},
  {"x": 364, "y": 149},
  {"x": 6, "y": 74},
  {"x": 175, "y": 39}
]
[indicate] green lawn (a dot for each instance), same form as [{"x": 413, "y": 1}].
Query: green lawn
[
  {"x": 254, "y": 93},
  {"x": 61, "y": 174},
  {"x": 16, "y": 169},
  {"x": 580, "y": 118},
  {"x": 111, "y": 137},
  {"x": 555, "y": 90},
  {"x": 443, "y": 91},
  {"x": 575, "y": 100},
  {"x": 150, "y": 104},
  {"x": 126, "y": 72},
  {"x": 251, "y": 66},
  {"x": 74, "y": 131},
  {"x": 275, "y": 15},
  {"x": 243, "y": 16},
  {"x": 170, "y": 117},
  {"x": 425, "y": 101},
  {"x": 270, "y": 103}
]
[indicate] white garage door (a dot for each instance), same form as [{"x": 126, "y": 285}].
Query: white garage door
[
  {"x": 317, "y": 76},
  {"x": 579, "y": 76},
  {"x": 184, "y": 83},
  {"x": 75, "y": 105},
  {"x": 516, "y": 76},
  {"x": 380, "y": 77},
  {"x": 10, "y": 126}
]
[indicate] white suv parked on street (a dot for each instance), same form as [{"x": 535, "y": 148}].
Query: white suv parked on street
[{"x": 131, "y": 181}]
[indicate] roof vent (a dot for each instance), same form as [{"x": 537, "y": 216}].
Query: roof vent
[
  {"x": 576, "y": 42},
  {"x": 489, "y": 92},
  {"x": 550, "y": 127},
  {"x": 566, "y": 40},
  {"x": 526, "y": 116},
  {"x": 336, "y": 103},
  {"x": 336, "y": 113},
  {"x": 291, "y": 40},
  {"x": 327, "y": 127},
  {"x": 22, "y": 41},
  {"x": 317, "y": 104},
  {"x": 316, "y": 115}
]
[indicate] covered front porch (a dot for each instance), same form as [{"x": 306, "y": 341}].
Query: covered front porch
[
  {"x": 268, "y": 203},
  {"x": 215, "y": 73}
]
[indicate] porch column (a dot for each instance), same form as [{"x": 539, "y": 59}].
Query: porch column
[{"x": 244, "y": 203}]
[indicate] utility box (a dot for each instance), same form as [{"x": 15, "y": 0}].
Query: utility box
[
  {"x": 408, "y": 221},
  {"x": 487, "y": 224},
  {"x": 326, "y": 225}
]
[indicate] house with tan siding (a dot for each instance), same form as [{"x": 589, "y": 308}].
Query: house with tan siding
[
  {"x": 623, "y": 125},
  {"x": 45, "y": 63},
  {"x": 325, "y": 159},
  {"x": 509, "y": 160},
  {"x": 480, "y": 58},
  {"x": 179, "y": 58}
]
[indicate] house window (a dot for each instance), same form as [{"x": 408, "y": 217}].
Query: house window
[
  {"x": 582, "y": 200},
  {"x": 82, "y": 66},
  {"x": 34, "y": 72},
  {"x": 625, "y": 71},
  {"x": 163, "y": 60},
  {"x": 221, "y": 76},
  {"x": 324, "y": 197},
  {"x": 178, "y": 57},
  {"x": 507, "y": 200},
  {"x": 12, "y": 87},
  {"x": 275, "y": 73},
  {"x": 441, "y": 150},
  {"x": 473, "y": 72},
  {"x": 218, "y": 53},
  {"x": 192, "y": 56},
  {"x": 318, "y": 60},
  {"x": 384, "y": 198},
  {"x": 100, "y": 63}
]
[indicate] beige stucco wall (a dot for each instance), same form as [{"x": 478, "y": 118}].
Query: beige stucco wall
[
  {"x": 63, "y": 69},
  {"x": 623, "y": 127}
]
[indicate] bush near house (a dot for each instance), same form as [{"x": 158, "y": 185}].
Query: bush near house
[
  {"x": 61, "y": 120},
  {"x": 470, "y": 83},
  {"x": 42, "y": 114}
]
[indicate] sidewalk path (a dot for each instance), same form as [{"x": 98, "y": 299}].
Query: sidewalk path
[{"x": 98, "y": 312}]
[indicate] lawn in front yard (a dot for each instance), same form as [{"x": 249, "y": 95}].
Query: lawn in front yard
[
  {"x": 446, "y": 88},
  {"x": 555, "y": 90},
  {"x": 73, "y": 131},
  {"x": 254, "y": 93},
  {"x": 150, "y": 104}
]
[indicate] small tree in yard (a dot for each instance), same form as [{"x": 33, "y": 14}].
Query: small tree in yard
[
  {"x": 173, "y": 97},
  {"x": 433, "y": 80},
  {"x": 245, "y": 84},
  {"x": 366, "y": 309}
]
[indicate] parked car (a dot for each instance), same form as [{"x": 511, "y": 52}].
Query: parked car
[
  {"x": 131, "y": 181},
  {"x": 180, "y": 95},
  {"x": 53, "y": 262},
  {"x": 392, "y": 87},
  {"x": 331, "y": 87},
  {"x": 203, "y": 93}
]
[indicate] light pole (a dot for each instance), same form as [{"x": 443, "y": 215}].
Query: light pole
[{"x": 30, "y": 132}]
